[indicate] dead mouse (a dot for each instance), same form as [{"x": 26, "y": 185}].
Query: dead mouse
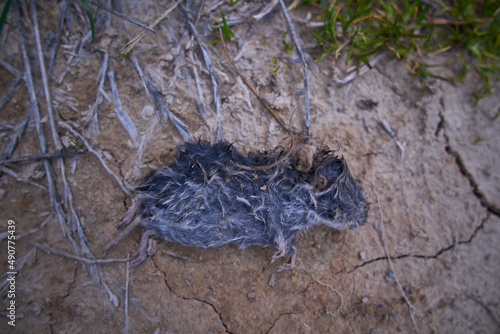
[{"x": 207, "y": 199}]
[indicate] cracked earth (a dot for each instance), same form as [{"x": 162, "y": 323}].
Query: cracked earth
[{"x": 438, "y": 201}]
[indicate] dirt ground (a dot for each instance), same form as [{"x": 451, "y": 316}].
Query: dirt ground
[{"x": 436, "y": 195}]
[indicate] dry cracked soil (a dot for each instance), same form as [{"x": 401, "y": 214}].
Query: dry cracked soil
[{"x": 434, "y": 187}]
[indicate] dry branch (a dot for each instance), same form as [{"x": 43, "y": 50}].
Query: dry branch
[
  {"x": 91, "y": 150},
  {"x": 121, "y": 15},
  {"x": 304, "y": 69},
  {"x": 38, "y": 123},
  {"x": 136, "y": 39},
  {"x": 75, "y": 257},
  {"x": 382, "y": 236},
  {"x": 206, "y": 58},
  {"x": 42, "y": 156}
]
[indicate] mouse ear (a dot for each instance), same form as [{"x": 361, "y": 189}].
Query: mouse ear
[{"x": 319, "y": 182}]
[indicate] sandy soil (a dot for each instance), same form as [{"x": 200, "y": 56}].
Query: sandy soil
[{"x": 438, "y": 201}]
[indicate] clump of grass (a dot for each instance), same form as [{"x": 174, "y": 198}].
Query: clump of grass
[
  {"x": 227, "y": 33},
  {"x": 412, "y": 29}
]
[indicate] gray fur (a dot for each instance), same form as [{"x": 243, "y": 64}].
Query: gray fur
[{"x": 204, "y": 199}]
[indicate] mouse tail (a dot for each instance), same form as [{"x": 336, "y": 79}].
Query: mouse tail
[{"x": 124, "y": 233}]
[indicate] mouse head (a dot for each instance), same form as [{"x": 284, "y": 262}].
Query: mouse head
[{"x": 339, "y": 200}]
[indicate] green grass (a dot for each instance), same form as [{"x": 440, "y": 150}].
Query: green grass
[
  {"x": 227, "y": 33},
  {"x": 85, "y": 5},
  {"x": 411, "y": 30}
]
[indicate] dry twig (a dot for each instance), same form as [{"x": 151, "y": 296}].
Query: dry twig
[
  {"x": 206, "y": 58},
  {"x": 136, "y": 39},
  {"x": 304, "y": 69},
  {"x": 382, "y": 236},
  {"x": 121, "y": 15},
  {"x": 252, "y": 88},
  {"x": 93, "y": 120},
  {"x": 126, "y": 293},
  {"x": 75, "y": 133},
  {"x": 123, "y": 116},
  {"x": 38, "y": 124},
  {"x": 42, "y": 156},
  {"x": 334, "y": 290},
  {"x": 58, "y": 36},
  {"x": 75, "y": 257},
  {"x": 17, "y": 133},
  {"x": 18, "y": 177}
]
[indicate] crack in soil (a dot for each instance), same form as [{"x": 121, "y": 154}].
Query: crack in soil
[
  {"x": 278, "y": 318},
  {"x": 193, "y": 298},
  {"x": 463, "y": 169},
  {"x": 213, "y": 307},
  {"x": 72, "y": 285},
  {"x": 451, "y": 247},
  {"x": 51, "y": 323}
]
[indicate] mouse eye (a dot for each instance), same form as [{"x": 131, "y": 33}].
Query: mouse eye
[{"x": 319, "y": 182}]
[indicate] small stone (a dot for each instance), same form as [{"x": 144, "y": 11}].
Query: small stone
[
  {"x": 364, "y": 300},
  {"x": 362, "y": 256},
  {"x": 272, "y": 280},
  {"x": 251, "y": 296}
]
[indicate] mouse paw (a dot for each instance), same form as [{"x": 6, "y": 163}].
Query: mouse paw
[
  {"x": 291, "y": 260},
  {"x": 146, "y": 248}
]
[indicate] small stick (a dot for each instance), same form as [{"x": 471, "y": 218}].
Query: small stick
[
  {"x": 121, "y": 15},
  {"x": 249, "y": 84},
  {"x": 38, "y": 123},
  {"x": 391, "y": 133},
  {"x": 178, "y": 256},
  {"x": 266, "y": 10},
  {"x": 179, "y": 125},
  {"x": 304, "y": 69},
  {"x": 45, "y": 80},
  {"x": 94, "y": 112},
  {"x": 199, "y": 11},
  {"x": 18, "y": 132},
  {"x": 75, "y": 257},
  {"x": 58, "y": 36},
  {"x": 333, "y": 289},
  {"x": 6, "y": 98},
  {"x": 10, "y": 68},
  {"x": 199, "y": 92},
  {"x": 136, "y": 40},
  {"x": 126, "y": 293},
  {"x": 19, "y": 178},
  {"x": 206, "y": 58},
  {"x": 144, "y": 83},
  {"x": 382, "y": 235},
  {"x": 91, "y": 150},
  {"x": 43, "y": 156},
  {"x": 124, "y": 118}
]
